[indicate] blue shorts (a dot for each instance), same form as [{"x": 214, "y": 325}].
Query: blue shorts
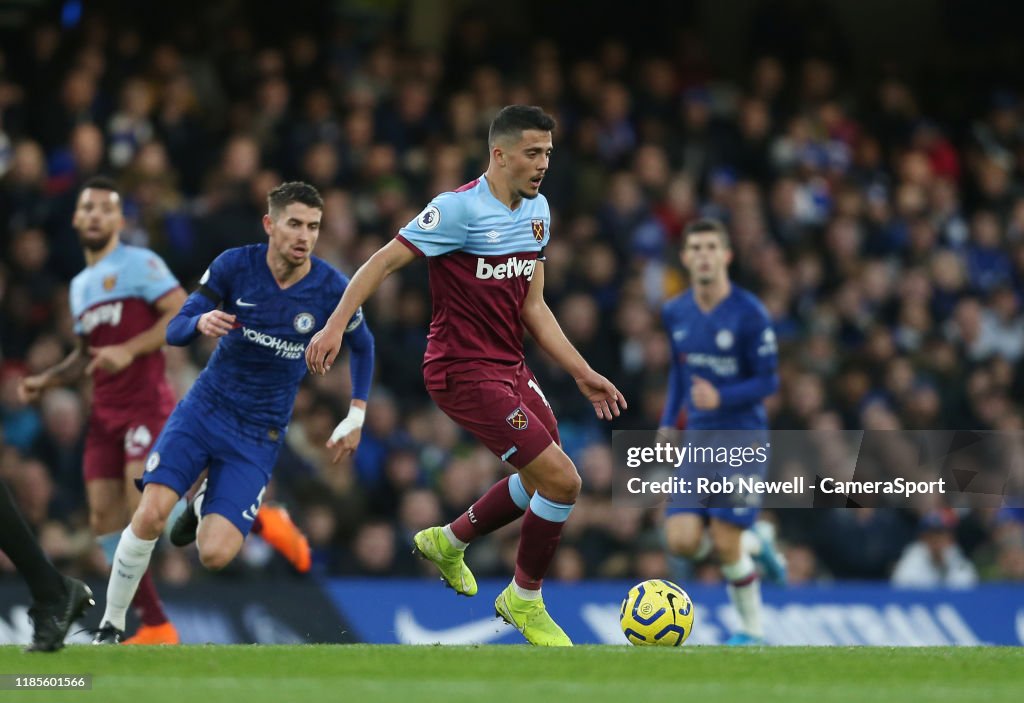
[
  {"x": 738, "y": 508},
  {"x": 240, "y": 465}
]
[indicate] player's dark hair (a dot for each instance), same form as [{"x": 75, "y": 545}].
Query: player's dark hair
[
  {"x": 708, "y": 225},
  {"x": 513, "y": 120},
  {"x": 293, "y": 192},
  {"x": 100, "y": 183}
]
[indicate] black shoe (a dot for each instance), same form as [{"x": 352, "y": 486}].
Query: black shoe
[
  {"x": 183, "y": 532},
  {"x": 51, "y": 621},
  {"x": 108, "y": 634}
]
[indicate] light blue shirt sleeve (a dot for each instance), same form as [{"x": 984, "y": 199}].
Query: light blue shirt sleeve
[
  {"x": 547, "y": 225},
  {"x": 75, "y": 301},
  {"x": 440, "y": 228},
  {"x": 150, "y": 277}
]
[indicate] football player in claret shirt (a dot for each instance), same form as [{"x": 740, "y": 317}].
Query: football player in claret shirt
[
  {"x": 121, "y": 303},
  {"x": 724, "y": 361},
  {"x": 484, "y": 245},
  {"x": 271, "y": 299}
]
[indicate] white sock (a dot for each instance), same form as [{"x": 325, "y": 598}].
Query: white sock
[
  {"x": 197, "y": 504},
  {"x": 704, "y": 548},
  {"x": 525, "y": 593},
  {"x": 744, "y": 590},
  {"x": 452, "y": 539},
  {"x": 750, "y": 542},
  {"x": 130, "y": 562}
]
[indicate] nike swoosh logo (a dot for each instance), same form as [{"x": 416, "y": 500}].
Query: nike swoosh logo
[
  {"x": 242, "y": 304},
  {"x": 408, "y": 631}
]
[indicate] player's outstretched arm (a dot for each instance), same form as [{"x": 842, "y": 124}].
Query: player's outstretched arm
[
  {"x": 69, "y": 370},
  {"x": 325, "y": 345},
  {"x": 345, "y": 438},
  {"x": 117, "y": 357},
  {"x": 544, "y": 328}
]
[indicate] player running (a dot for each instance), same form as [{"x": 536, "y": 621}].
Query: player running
[
  {"x": 723, "y": 367},
  {"x": 234, "y": 418},
  {"x": 484, "y": 245},
  {"x": 121, "y": 303}
]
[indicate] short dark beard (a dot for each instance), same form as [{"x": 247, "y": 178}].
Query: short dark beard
[
  {"x": 527, "y": 196},
  {"x": 94, "y": 245}
]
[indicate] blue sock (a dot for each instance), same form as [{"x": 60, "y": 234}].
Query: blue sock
[
  {"x": 518, "y": 492},
  {"x": 549, "y": 509}
]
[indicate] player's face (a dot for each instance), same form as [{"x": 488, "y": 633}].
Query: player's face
[
  {"x": 293, "y": 232},
  {"x": 97, "y": 218},
  {"x": 706, "y": 257},
  {"x": 526, "y": 162}
]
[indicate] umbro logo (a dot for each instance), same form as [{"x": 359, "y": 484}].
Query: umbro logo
[
  {"x": 493, "y": 236},
  {"x": 242, "y": 304}
]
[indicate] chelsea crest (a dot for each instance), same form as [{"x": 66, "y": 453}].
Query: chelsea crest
[{"x": 304, "y": 323}]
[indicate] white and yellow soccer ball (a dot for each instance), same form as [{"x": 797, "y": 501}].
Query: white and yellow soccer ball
[{"x": 656, "y": 612}]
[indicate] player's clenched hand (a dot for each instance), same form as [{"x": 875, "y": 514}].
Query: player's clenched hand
[
  {"x": 112, "y": 359},
  {"x": 30, "y": 388},
  {"x": 323, "y": 349},
  {"x": 215, "y": 323},
  {"x": 344, "y": 445},
  {"x": 704, "y": 395},
  {"x": 604, "y": 396}
]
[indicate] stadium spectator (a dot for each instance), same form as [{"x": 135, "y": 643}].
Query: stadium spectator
[{"x": 934, "y": 559}]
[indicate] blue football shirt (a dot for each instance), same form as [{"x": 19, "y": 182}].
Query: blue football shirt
[
  {"x": 255, "y": 371},
  {"x": 733, "y": 347}
]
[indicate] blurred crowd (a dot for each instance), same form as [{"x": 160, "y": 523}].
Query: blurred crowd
[{"x": 887, "y": 244}]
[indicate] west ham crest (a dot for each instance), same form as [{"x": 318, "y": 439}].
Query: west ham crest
[
  {"x": 110, "y": 281},
  {"x": 518, "y": 420},
  {"x": 538, "y": 230}
]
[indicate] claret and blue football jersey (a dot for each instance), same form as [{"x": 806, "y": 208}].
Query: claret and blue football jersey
[
  {"x": 112, "y": 301},
  {"x": 482, "y": 256}
]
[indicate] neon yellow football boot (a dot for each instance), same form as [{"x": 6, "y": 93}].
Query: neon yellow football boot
[
  {"x": 432, "y": 545},
  {"x": 531, "y": 618}
]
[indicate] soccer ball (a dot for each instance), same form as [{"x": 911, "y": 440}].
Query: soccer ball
[{"x": 656, "y": 612}]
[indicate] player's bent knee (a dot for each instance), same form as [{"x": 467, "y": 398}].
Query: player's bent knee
[
  {"x": 215, "y": 557},
  {"x": 148, "y": 521},
  {"x": 562, "y": 486},
  {"x": 572, "y": 484},
  {"x": 727, "y": 540},
  {"x": 682, "y": 544},
  {"x": 682, "y": 539},
  {"x": 553, "y": 475}
]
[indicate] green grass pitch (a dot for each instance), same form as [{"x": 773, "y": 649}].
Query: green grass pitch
[{"x": 360, "y": 673}]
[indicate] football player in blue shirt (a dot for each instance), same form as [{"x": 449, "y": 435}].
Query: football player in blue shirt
[
  {"x": 272, "y": 298},
  {"x": 723, "y": 367}
]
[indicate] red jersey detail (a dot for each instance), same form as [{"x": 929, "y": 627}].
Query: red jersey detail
[
  {"x": 143, "y": 386},
  {"x": 476, "y": 324},
  {"x": 469, "y": 186}
]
